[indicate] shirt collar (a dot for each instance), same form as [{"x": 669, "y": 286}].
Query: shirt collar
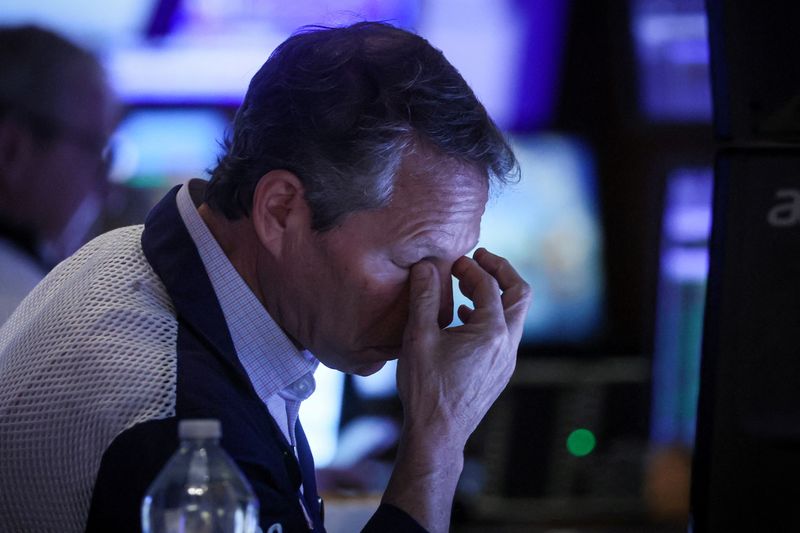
[{"x": 269, "y": 357}]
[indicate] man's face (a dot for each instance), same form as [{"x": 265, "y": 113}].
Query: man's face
[
  {"x": 349, "y": 289},
  {"x": 69, "y": 168}
]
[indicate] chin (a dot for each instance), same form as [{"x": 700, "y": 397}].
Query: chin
[
  {"x": 364, "y": 362},
  {"x": 367, "y": 369}
]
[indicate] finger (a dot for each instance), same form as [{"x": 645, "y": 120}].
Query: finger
[
  {"x": 477, "y": 285},
  {"x": 423, "y": 311},
  {"x": 499, "y": 267},
  {"x": 464, "y": 312},
  {"x": 517, "y": 293}
]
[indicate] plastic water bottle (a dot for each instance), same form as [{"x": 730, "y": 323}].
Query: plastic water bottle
[{"x": 200, "y": 489}]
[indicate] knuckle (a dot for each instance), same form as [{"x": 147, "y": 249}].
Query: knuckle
[
  {"x": 520, "y": 293},
  {"x": 417, "y": 337},
  {"x": 424, "y": 296},
  {"x": 526, "y": 291},
  {"x": 500, "y": 266},
  {"x": 493, "y": 284}
]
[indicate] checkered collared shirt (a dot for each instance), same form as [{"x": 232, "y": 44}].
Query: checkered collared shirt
[{"x": 281, "y": 374}]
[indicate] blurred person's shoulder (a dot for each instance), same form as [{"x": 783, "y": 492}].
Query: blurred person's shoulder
[
  {"x": 19, "y": 274},
  {"x": 108, "y": 284}
]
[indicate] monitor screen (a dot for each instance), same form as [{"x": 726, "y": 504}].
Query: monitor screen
[
  {"x": 672, "y": 55},
  {"x": 162, "y": 147},
  {"x": 198, "y": 52},
  {"x": 548, "y": 226},
  {"x": 681, "y": 299}
]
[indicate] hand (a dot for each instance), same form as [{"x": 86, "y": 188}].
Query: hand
[{"x": 447, "y": 379}]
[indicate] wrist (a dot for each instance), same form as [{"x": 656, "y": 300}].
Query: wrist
[
  {"x": 430, "y": 453},
  {"x": 424, "y": 479}
]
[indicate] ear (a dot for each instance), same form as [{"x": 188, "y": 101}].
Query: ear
[{"x": 279, "y": 209}]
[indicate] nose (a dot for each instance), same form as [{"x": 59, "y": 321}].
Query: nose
[{"x": 446, "y": 299}]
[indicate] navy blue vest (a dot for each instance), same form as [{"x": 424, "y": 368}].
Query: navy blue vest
[{"x": 211, "y": 383}]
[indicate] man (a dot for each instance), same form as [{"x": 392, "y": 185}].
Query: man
[
  {"x": 56, "y": 113},
  {"x": 352, "y": 187}
]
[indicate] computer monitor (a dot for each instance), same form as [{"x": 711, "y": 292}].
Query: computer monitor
[
  {"x": 548, "y": 225},
  {"x": 672, "y": 60},
  {"x": 747, "y": 448}
]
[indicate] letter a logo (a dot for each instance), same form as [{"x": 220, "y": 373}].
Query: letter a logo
[{"x": 786, "y": 213}]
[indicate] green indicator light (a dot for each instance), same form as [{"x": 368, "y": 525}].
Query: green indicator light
[{"x": 581, "y": 442}]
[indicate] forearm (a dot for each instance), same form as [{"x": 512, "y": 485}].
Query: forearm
[{"x": 424, "y": 480}]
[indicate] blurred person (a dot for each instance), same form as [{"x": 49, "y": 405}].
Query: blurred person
[
  {"x": 56, "y": 114},
  {"x": 353, "y": 183}
]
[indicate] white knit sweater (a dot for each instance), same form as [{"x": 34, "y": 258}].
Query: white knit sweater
[{"x": 89, "y": 353}]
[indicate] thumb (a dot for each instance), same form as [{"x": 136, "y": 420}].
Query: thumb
[{"x": 423, "y": 308}]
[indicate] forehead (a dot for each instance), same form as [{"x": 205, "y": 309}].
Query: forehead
[
  {"x": 427, "y": 168},
  {"x": 441, "y": 184},
  {"x": 436, "y": 203}
]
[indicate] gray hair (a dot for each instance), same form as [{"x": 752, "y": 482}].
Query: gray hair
[{"x": 340, "y": 108}]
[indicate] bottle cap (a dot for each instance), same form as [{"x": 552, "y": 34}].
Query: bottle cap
[{"x": 199, "y": 428}]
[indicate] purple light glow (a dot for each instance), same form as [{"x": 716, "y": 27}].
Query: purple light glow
[{"x": 540, "y": 61}]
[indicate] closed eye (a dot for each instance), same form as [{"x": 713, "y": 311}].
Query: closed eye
[{"x": 403, "y": 265}]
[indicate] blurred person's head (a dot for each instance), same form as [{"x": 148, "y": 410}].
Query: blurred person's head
[{"x": 56, "y": 115}]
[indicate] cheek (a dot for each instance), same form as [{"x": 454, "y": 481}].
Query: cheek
[
  {"x": 377, "y": 284},
  {"x": 384, "y": 305},
  {"x": 374, "y": 300}
]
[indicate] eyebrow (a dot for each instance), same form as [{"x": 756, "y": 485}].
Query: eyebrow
[{"x": 428, "y": 244}]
